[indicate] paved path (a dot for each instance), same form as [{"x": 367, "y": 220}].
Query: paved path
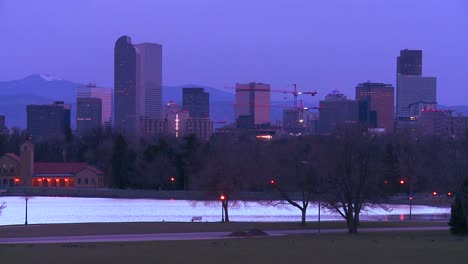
[{"x": 190, "y": 236}]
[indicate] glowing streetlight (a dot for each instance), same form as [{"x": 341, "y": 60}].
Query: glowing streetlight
[{"x": 222, "y": 198}]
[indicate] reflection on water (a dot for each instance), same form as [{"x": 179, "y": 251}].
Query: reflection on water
[{"x": 78, "y": 210}]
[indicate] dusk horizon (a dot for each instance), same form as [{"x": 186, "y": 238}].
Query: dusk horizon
[{"x": 323, "y": 47}]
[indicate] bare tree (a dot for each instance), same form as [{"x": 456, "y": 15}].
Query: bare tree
[
  {"x": 355, "y": 180},
  {"x": 228, "y": 167},
  {"x": 297, "y": 171}
]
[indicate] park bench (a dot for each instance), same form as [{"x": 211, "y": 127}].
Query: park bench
[{"x": 196, "y": 218}]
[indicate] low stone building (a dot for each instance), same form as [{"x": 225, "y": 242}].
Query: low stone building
[{"x": 23, "y": 171}]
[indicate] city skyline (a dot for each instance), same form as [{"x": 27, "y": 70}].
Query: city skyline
[{"x": 193, "y": 55}]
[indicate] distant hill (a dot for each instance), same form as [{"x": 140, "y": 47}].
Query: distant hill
[{"x": 44, "y": 89}]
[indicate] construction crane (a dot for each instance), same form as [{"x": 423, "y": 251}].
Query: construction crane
[{"x": 294, "y": 92}]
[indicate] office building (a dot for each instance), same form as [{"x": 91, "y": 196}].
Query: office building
[
  {"x": 201, "y": 127},
  {"x": 196, "y": 101},
  {"x": 335, "y": 111},
  {"x": 252, "y": 107},
  {"x": 149, "y": 79},
  {"x": 434, "y": 122},
  {"x": 137, "y": 84},
  {"x": 409, "y": 62},
  {"x": 413, "y": 89},
  {"x": 47, "y": 121},
  {"x": 3, "y": 128},
  {"x": 376, "y": 105},
  {"x": 460, "y": 126},
  {"x": 105, "y": 94},
  {"x": 88, "y": 115}
]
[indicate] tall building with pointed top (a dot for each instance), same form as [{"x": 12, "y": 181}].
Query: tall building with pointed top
[{"x": 137, "y": 84}]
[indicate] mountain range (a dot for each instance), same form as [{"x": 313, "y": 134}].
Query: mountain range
[{"x": 44, "y": 89}]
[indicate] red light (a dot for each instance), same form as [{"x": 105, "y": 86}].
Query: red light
[
  {"x": 16, "y": 180},
  {"x": 57, "y": 180},
  {"x": 411, "y": 198},
  {"x": 402, "y": 182},
  {"x": 434, "y": 193},
  {"x": 172, "y": 179},
  {"x": 222, "y": 197},
  {"x": 385, "y": 182},
  {"x": 39, "y": 180},
  {"x": 449, "y": 194},
  {"x": 272, "y": 181},
  {"x": 66, "y": 180},
  {"x": 48, "y": 180}
]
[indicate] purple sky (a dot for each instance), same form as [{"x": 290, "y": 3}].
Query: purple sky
[{"x": 320, "y": 45}]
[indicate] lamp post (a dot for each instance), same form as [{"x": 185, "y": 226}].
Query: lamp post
[
  {"x": 26, "y": 216},
  {"x": 222, "y": 198}
]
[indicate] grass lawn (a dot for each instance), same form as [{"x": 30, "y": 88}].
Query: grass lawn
[
  {"x": 396, "y": 247},
  {"x": 167, "y": 227}
]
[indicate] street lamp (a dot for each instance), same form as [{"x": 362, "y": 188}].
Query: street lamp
[
  {"x": 26, "y": 216},
  {"x": 222, "y": 198}
]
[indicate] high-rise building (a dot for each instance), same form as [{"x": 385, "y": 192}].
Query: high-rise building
[
  {"x": 337, "y": 110},
  {"x": 252, "y": 105},
  {"x": 409, "y": 62},
  {"x": 125, "y": 81},
  {"x": 105, "y": 94},
  {"x": 413, "y": 89},
  {"x": 299, "y": 121},
  {"x": 137, "y": 84},
  {"x": 196, "y": 101},
  {"x": 88, "y": 115},
  {"x": 460, "y": 126},
  {"x": 434, "y": 122},
  {"x": 376, "y": 106},
  {"x": 45, "y": 121},
  {"x": 3, "y": 128},
  {"x": 149, "y": 79}
]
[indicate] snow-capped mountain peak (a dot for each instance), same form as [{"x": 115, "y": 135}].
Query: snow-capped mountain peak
[{"x": 49, "y": 78}]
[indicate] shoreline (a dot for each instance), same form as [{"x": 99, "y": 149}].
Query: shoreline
[{"x": 418, "y": 199}]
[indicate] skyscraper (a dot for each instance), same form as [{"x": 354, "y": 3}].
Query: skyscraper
[
  {"x": 196, "y": 101},
  {"x": 409, "y": 62},
  {"x": 376, "y": 104},
  {"x": 45, "y": 121},
  {"x": 3, "y": 127},
  {"x": 105, "y": 94},
  {"x": 252, "y": 107},
  {"x": 412, "y": 87},
  {"x": 125, "y": 78},
  {"x": 149, "y": 79},
  {"x": 336, "y": 110},
  {"x": 137, "y": 84},
  {"x": 88, "y": 115}
]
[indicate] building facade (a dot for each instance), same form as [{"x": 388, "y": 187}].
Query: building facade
[
  {"x": 46, "y": 121},
  {"x": 137, "y": 84},
  {"x": 23, "y": 171},
  {"x": 409, "y": 62},
  {"x": 149, "y": 79},
  {"x": 336, "y": 110},
  {"x": 412, "y": 89},
  {"x": 252, "y": 107},
  {"x": 196, "y": 101},
  {"x": 88, "y": 115},
  {"x": 376, "y": 105},
  {"x": 105, "y": 94}
]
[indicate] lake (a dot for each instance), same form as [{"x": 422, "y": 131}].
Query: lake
[{"x": 44, "y": 210}]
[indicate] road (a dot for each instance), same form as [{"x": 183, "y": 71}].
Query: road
[{"x": 190, "y": 236}]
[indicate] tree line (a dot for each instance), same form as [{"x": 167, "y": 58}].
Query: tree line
[{"x": 348, "y": 170}]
